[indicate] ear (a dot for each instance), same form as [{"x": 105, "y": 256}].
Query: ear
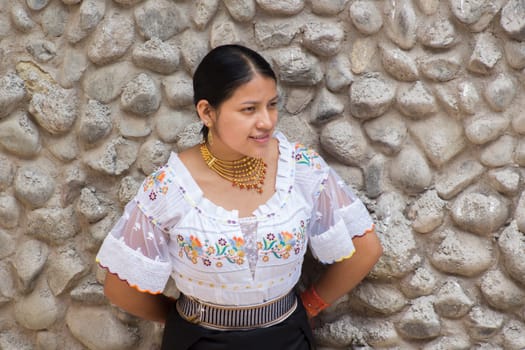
[{"x": 206, "y": 112}]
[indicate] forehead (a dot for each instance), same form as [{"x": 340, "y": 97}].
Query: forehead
[{"x": 258, "y": 88}]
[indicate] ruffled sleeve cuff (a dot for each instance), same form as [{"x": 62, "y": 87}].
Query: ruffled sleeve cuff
[
  {"x": 140, "y": 272},
  {"x": 335, "y": 244}
]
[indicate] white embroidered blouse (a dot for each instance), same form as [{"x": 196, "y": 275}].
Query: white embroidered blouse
[{"x": 171, "y": 229}]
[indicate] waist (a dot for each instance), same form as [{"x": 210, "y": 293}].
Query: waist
[{"x": 222, "y": 317}]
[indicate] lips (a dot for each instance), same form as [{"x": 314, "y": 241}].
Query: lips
[{"x": 260, "y": 138}]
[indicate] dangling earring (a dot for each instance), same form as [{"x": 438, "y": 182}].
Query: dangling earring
[{"x": 210, "y": 134}]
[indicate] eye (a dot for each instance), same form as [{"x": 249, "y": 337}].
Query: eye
[
  {"x": 249, "y": 109},
  {"x": 273, "y": 104}
]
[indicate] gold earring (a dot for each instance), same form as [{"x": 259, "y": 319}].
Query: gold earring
[{"x": 210, "y": 137}]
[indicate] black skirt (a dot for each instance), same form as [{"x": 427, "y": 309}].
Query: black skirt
[{"x": 294, "y": 333}]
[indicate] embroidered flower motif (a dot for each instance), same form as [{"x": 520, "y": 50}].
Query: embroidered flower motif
[
  {"x": 156, "y": 183},
  {"x": 282, "y": 244},
  {"x": 307, "y": 156},
  {"x": 229, "y": 250}
]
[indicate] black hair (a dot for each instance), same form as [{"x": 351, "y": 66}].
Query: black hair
[{"x": 223, "y": 70}]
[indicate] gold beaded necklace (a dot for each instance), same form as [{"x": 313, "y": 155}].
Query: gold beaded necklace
[{"x": 246, "y": 173}]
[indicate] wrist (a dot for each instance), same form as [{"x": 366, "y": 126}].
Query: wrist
[{"x": 312, "y": 302}]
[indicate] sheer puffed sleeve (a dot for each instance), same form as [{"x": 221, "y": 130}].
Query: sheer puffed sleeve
[
  {"x": 136, "y": 249},
  {"x": 338, "y": 215}
]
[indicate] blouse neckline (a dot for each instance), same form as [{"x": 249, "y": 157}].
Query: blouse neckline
[{"x": 195, "y": 197}]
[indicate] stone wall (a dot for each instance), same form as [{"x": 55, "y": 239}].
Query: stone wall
[{"x": 418, "y": 105}]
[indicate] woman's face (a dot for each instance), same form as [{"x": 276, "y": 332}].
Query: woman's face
[{"x": 243, "y": 124}]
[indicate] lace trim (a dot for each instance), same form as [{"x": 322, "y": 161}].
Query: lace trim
[{"x": 141, "y": 273}]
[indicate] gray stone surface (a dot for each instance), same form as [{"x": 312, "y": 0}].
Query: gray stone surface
[
  {"x": 515, "y": 54},
  {"x": 462, "y": 253},
  {"x": 73, "y": 67},
  {"x": 483, "y": 323},
  {"x": 514, "y": 335},
  {"x": 505, "y": 180},
  {"x": 224, "y": 33},
  {"x": 95, "y": 121},
  {"x": 7, "y": 244},
  {"x": 512, "y": 19},
  {"x": 383, "y": 299},
  {"x": 53, "y": 225},
  {"x": 481, "y": 129},
  {"x": 366, "y": 17},
  {"x": 85, "y": 20},
  {"x": 328, "y": 7},
  {"x": 499, "y": 152},
  {"x": 437, "y": 34},
  {"x": 416, "y": 101},
  {"x": 295, "y": 67},
  {"x": 157, "y": 56},
  {"x": 364, "y": 50},
  {"x": 501, "y": 292},
  {"x": 477, "y": 15},
  {"x": 511, "y": 244},
  {"x": 9, "y": 211},
  {"x": 141, "y": 95},
  {"x": 420, "y": 320},
  {"x": 421, "y": 282},
  {"x": 457, "y": 177},
  {"x": 468, "y": 97},
  {"x": 92, "y": 205},
  {"x": 427, "y": 213},
  {"x": 401, "y": 23},
  {"x": 21, "y": 19},
  {"x": 106, "y": 83},
  {"x": 33, "y": 186},
  {"x": 440, "y": 137},
  {"x": 20, "y": 136},
  {"x": 410, "y": 171},
  {"x": 281, "y": 7},
  {"x": 344, "y": 139},
  {"x": 273, "y": 34},
  {"x": 87, "y": 323},
  {"x": 66, "y": 267},
  {"x": 485, "y": 55},
  {"x": 389, "y": 132},
  {"x": 7, "y": 287},
  {"x": 12, "y": 91},
  {"x": 322, "y": 38},
  {"x": 178, "y": 89},
  {"x": 111, "y": 39},
  {"x": 326, "y": 107},
  {"x": 500, "y": 92},
  {"x": 160, "y": 19},
  {"x": 339, "y": 74},
  {"x": 452, "y": 301},
  {"x": 440, "y": 68},
  {"x": 241, "y": 10},
  {"x": 113, "y": 158},
  {"x": 398, "y": 63},
  {"x": 371, "y": 95},
  {"x": 29, "y": 261},
  {"x": 152, "y": 154},
  {"x": 38, "y": 310},
  {"x": 203, "y": 12}
]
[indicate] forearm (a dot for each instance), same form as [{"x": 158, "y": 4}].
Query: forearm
[
  {"x": 341, "y": 277},
  {"x": 154, "y": 307}
]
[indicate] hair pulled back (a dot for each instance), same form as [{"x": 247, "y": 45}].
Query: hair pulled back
[{"x": 223, "y": 70}]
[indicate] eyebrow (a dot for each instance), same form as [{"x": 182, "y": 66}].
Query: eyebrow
[{"x": 276, "y": 97}]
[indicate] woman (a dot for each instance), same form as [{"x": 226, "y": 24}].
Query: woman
[{"x": 230, "y": 220}]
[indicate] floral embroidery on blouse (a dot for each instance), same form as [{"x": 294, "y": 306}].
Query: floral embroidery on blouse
[
  {"x": 231, "y": 250},
  {"x": 224, "y": 250},
  {"x": 306, "y": 156},
  {"x": 282, "y": 244},
  {"x": 156, "y": 183}
]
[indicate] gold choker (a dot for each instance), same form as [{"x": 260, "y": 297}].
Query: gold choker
[{"x": 246, "y": 173}]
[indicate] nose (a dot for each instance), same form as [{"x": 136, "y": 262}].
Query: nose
[{"x": 265, "y": 120}]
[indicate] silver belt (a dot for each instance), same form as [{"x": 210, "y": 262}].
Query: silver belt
[{"x": 236, "y": 317}]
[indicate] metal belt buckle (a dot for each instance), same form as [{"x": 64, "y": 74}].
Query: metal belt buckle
[{"x": 196, "y": 318}]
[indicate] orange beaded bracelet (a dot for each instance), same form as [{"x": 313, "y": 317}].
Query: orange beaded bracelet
[{"x": 312, "y": 302}]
